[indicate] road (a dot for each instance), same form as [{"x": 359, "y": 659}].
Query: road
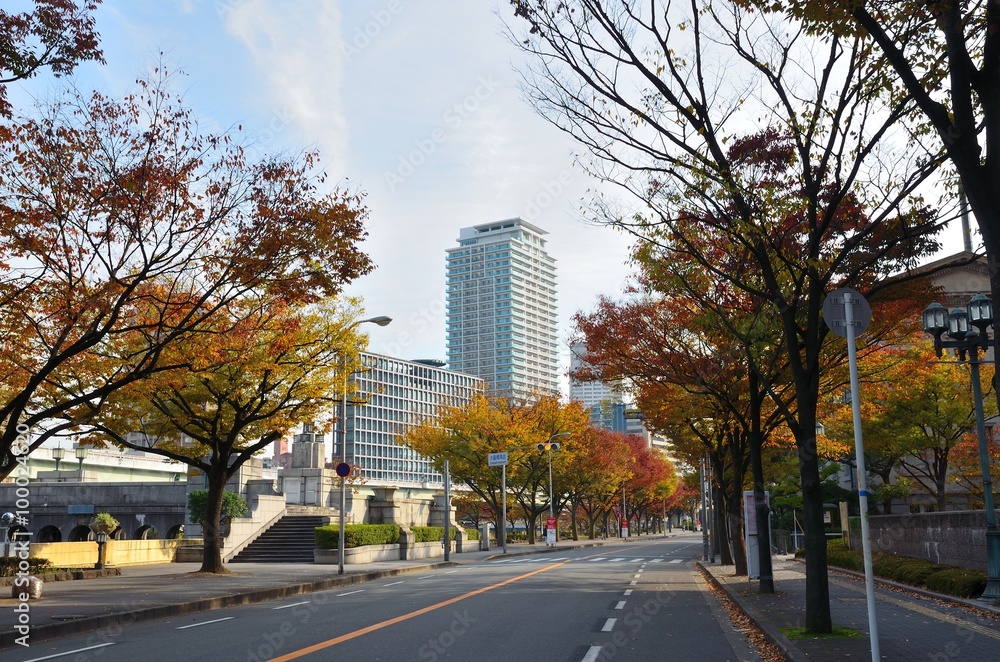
[{"x": 636, "y": 601}]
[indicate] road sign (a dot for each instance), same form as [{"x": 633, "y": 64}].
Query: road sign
[
  {"x": 498, "y": 459},
  {"x": 835, "y": 311},
  {"x": 343, "y": 469}
]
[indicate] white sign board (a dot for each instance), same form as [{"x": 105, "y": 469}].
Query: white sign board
[
  {"x": 750, "y": 532},
  {"x": 497, "y": 459}
]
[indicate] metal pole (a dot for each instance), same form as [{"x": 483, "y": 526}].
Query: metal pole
[
  {"x": 503, "y": 509},
  {"x": 343, "y": 479},
  {"x": 550, "y": 495},
  {"x": 859, "y": 455},
  {"x": 704, "y": 529},
  {"x": 992, "y": 592},
  {"x": 447, "y": 512}
]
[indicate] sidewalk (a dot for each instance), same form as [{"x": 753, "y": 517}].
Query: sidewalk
[
  {"x": 172, "y": 589},
  {"x": 911, "y": 627}
]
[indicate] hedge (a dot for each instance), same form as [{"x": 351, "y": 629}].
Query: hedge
[
  {"x": 9, "y": 566},
  {"x": 357, "y": 535},
  {"x": 960, "y": 582}
]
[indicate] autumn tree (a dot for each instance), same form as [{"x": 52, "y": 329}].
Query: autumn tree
[
  {"x": 822, "y": 195},
  {"x": 594, "y": 474},
  {"x": 265, "y": 369},
  {"x": 125, "y": 227},
  {"x": 55, "y": 34},
  {"x": 945, "y": 56},
  {"x": 465, "y": 436}
]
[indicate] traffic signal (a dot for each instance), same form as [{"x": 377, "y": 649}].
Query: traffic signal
[{"x": 549, "y": 445}]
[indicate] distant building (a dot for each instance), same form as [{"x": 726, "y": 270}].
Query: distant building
[
  {"x": 501, "y": 303},
  {"x": 392, "y": 397}
]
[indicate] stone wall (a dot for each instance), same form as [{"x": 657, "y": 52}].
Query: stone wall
[{"x": 952, "y": 538}]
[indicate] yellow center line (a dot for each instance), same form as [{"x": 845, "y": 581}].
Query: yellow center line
[{"x": 294, "y": 655}]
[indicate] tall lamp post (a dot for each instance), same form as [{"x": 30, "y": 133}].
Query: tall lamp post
[
  {"x": 549, "y": 446},
  {"x": 968, "y": 342},
  {"x": 343, "y": 469}
]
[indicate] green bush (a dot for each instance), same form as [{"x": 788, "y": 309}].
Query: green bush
[
  {"x": 36, "y": 566},
  {"x": 233, "y": 505},
  {"x": 472, "y": 534},
  {"x": 357, "y": 535},
  {"x": 962, "y": 582},
  {"x": 959, "y": 582},
  {"x": 428, "y": 533}
]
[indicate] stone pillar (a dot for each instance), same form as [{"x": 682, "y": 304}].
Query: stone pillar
[
  {"x": 384, "y": 509},
  {"x": 406, "y": 541},
  {"x": 437, "y": 512}
]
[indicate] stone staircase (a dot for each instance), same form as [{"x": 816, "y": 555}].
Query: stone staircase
[{"x": 289, "y": 540}]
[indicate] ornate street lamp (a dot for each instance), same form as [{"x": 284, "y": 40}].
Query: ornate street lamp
[
  {"x": 81, "y": 454},
  {"x": 968, "y": 342},
  {"x": 58, "y": 453}
]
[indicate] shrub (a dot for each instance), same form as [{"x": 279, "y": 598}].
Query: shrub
[
  {"x": 9, "y": 566},
  {"x": 962, "y": 582},
  {"x": 104, "y": 520},
  {"x": 472, "y": 534},
  {"x": 357, "y": 535},
  {"x": 428, "y": 533},
  {"x": 233, "y": 505}
]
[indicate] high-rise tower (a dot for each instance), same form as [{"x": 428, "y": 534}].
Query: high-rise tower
[{"x": 502, "y": 324}]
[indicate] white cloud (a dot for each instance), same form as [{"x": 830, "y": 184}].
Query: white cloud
[{"x": 295, "y": 48}]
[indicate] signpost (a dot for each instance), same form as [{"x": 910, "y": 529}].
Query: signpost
[
  {"x": 847, "y": 313},
  {"x": 500, "y": 460},
  {"x": 550, "y": 530}
]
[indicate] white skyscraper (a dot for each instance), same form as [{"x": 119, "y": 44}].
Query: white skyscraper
[{"x": 502, "y": 324}]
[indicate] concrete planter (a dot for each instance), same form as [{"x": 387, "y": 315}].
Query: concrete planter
[{"x": 366, "y": 554}]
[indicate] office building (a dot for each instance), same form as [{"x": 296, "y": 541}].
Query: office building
[
  {"x": 390, "y": 397},
  {"x": 501, "y": 303}
]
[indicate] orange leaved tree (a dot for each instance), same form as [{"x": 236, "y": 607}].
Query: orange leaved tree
[{"x": 125, "y": 227}]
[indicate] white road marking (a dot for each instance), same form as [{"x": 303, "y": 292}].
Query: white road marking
[
  {"x": 637, "y": 575},
  {"x": 80, "y": 650},
  {"x": 627, "y": 592},
  {"x": 599, "y": 558},
  {"x": 425, "y": 577},
  {"x": 620, "y": 605},
  {"x": 360, "y": 590},
  {"x": 450, "y": 572},
  {"x": 294, "y": 604},
  {"x": 621, "y": 558},
  {"x": 609, "y": 625},
  {"x": 655, "y": 560},
  {"x": 677, "y": 561},
  {"x": 197, "y": 625},
  {"x": 592, "y": 654},
  {"x": 633, "y": 583},
  {"x": 392, "y": 584},
  {"x": 636, "y": 560},
  {"x": 561, "y": 558}
]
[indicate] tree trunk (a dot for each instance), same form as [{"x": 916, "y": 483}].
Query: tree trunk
[
  {"x": 818, "y": 617},
  {"x": 211, "y": 560},
  {"x": 763, "y": 512}
]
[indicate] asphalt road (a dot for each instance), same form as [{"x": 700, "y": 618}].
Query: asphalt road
[{"x": 638, "y": 601}]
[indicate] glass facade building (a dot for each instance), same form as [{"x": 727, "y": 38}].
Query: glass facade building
[
  {"x": 501, "y": 303},
  {"x": 390, "y": 397}
]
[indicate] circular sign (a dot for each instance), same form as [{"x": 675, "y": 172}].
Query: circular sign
[
  {"x": 343, "y": 469},
  {"x": 835, "y": 311}
]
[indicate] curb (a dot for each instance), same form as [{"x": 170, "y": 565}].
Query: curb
[
  {"x": 773, "y": 635},
  {"x": 120, "y": 619}
]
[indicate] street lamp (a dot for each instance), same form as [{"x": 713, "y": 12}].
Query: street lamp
[
  {"x": 81, "y": 453},
  {"x": 58, "y": 453},
  {"x": 550, "y": 446},
  {"x": 968, "y": 342},
  {"x": 343, "y": 468}
]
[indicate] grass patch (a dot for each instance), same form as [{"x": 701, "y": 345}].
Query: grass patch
[{"x": 838, "y": 633}]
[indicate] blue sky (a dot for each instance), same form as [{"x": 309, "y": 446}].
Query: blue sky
[{"x": 414, "y": 103}]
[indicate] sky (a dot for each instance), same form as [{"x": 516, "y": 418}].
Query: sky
[{"x": 414, "y": 104}]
